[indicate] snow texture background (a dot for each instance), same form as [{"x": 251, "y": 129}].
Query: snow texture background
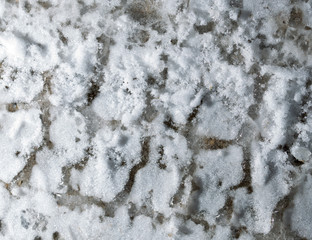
[{"x": 153, "y": 119}]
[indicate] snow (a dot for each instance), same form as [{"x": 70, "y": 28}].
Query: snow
[
  {"x": 153, "y": 119},
  {"x": 20, "y": 133},
  {"x": 300, "y": 216}
]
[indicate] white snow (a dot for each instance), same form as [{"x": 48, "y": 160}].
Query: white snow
[{"x": 153, "y": 119}]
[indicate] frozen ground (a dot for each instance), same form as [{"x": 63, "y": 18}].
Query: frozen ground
[{"x": 154, "y": 119}]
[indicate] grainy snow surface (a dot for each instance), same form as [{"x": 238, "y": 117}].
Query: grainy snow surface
[{"x": 154, "y": 119}]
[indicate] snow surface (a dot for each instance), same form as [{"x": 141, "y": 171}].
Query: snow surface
[{"x": 154, "y": 119}]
